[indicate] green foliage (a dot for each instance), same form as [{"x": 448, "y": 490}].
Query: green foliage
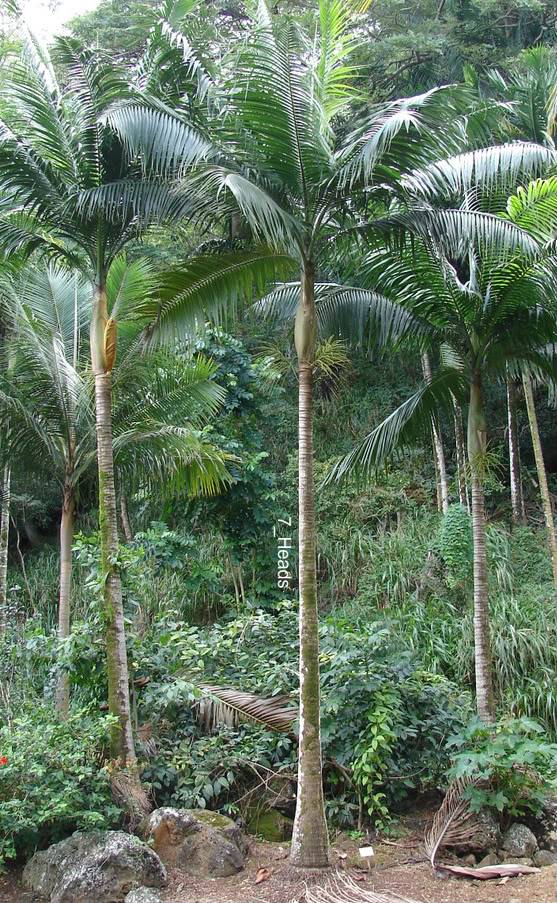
[
  {"x": 370, "y": 764},
  {"x": 54, "y": 780},
  {"x": 513, "y": 763},
  {"x": 454, "y": 543}
]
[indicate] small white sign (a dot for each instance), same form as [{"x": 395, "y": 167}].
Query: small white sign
[{"x": 366, "y": 852}]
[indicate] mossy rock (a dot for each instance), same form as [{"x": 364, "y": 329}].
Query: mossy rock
[
  {"x": 213, "y": 819},
  {"x": 270, "y": 825}
]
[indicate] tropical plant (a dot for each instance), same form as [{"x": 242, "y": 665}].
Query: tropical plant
[
  {"x": 73, "y": 188},
  {"x": 161, "y": 403},
  {"x": 481, "y": 289}
]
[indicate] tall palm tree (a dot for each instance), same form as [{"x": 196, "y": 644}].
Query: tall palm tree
[
  {"x": 484, "y": 296},
  {"x": 285, "y": 165},
  {"x": 46, "y": 410},
  {"x": 73, "y": 188}
]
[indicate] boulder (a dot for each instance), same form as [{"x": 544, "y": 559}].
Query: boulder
[
  {"x": 544, "y": 858},
  {"x": 486, "y": 837},
  {"x": 519, "y": 841},
  {"x": 490, "y": 859},
  {"x": 205, "y": 844},
  {"x": 144, "y": 895},
  {"x": 544, "y": 825},
  {"x": 271, "y": 825},
  {"x": 94, "y": 867}
]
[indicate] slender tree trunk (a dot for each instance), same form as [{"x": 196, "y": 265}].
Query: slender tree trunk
[
  {"x": 542, "y": 474},
  {"x": 310, "y": 844},
  {"x": 517, "y": 497},
  {"x": 4, "y": 542},
  {"x": 460, "y": 455},
  {"x": 438, "y": 450},
  {"x": 482, "y": 638},
  {"x": 125, "y": 518},
  {"x": 64, "y": 605},
  {"x": 102, "y": 356}
]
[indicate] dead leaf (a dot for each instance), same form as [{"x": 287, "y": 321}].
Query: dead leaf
[
  {"x": 263, "y": 874},
  {"x": 507, "y": 870}
]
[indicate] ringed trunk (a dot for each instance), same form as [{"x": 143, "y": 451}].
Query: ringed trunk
[
  {"x": 460, "y": 455},
  {"x": 438, "y": 450},
  {"x": 542, "y": 474},
  {"x": 102, "y": 356},
  {"x": 125, "y": 518},
  {"x": 477, "y": 443},
  {"x": 67, "y": 524},
  {"x": 310, "y": 843},
  {"x": 517, "y": 497},
  {"x": 4, "y": 543}
]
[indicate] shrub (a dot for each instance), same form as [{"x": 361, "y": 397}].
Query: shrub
[
  {"x": 52, "y": 780},
  {"x": 514, "y": 765}
]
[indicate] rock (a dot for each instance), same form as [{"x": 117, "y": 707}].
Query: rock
[
  {"x": 203, "y": 843},
  {"x": 486, "y": 838},
  {"x": 271, "y": 825},
  {"x": 544, "y": 824},
  {"x": 519, "y": 840},
  {"x": 545, "y": 857},
  {"x": 94, "y": 867},
  {"x": 469, "y": 860},
  {"x": 143, "y": 895},
  {"x": 518, "y": 860},
  {"x": 490, "y": 859}
]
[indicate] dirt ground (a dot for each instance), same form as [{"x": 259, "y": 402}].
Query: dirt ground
[{"x": 400, "y": 868}]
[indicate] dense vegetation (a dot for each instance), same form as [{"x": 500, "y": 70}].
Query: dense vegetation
[{"x": 277, "y": 378}]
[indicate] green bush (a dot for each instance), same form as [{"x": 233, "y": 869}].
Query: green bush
[
  {"x": 514, "y": 765},
  {"x": 53, "y": 780}
]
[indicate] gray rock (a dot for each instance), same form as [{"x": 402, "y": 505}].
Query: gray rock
[
  {"x": 143, "y": 895},
  {"x": 486, "y": 838},
  {"x": 544, "y": 825},
  {"x": 94, "y": 867},
  {"x": 490, "y": 859},
  {"x": 545, "y": 857},
  {"x": 469, "y": 860},
  {"x": 205, "y": 844},
  {"x": 519, "y": 840}
]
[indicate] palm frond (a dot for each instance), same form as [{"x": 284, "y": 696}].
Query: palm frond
[
  {"x": 502, "y": 166},
  {"x": 454, "y": 823},
  {"x": 343, "y": 889},
  {"x": 223, "y": 705},
  {"x": 410, "y": 421}
]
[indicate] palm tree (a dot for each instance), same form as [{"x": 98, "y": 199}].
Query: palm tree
[
  {"x": 161, "y": 403},
  {"x": 73, "y": 188},
  {"x": 483, "y": 295},
  {"x": 284, "y": 165}
]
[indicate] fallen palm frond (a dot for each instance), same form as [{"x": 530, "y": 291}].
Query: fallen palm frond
[
  {"x": 225, "y": 705},
  {"x": 488, "y": 872},
  {"x": 454, "y": 823},
  {"x": 341, "y": 889}
]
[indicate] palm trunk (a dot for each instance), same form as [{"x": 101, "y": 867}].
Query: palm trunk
[
  {"x": 542, "y": 474},
  {"x": 438, "y": 450},
  {"x": 4, "y": 542},
  {"x": 482, "y": 638},
  {"x": 460, "y": 455},
  {"x": 122, "y": 746},
  {"x": 64, "y": 605},
  {"x": 517, "y": 497},
  {"x": 125, "y": 518},
  {"x": 310, "y": 844}
]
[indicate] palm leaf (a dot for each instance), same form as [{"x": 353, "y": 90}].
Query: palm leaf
[
  {"x": 454, "y": 823},
  {"x": 343, "y": 889},
  {"x": 225, "y": 705}
]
